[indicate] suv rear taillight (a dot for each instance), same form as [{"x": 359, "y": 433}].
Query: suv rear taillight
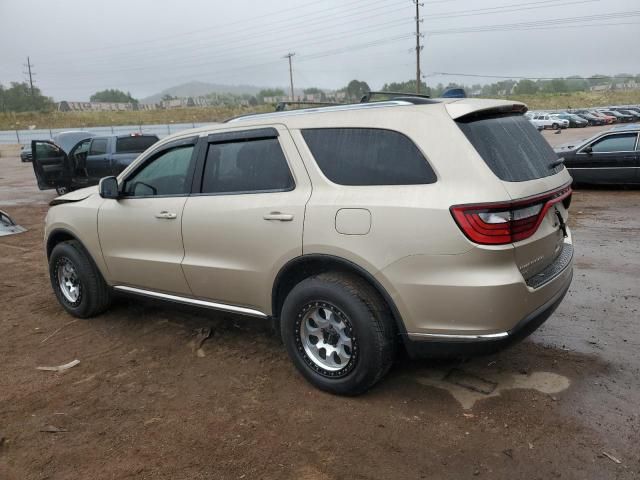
[{"x": 502, "y": 223}]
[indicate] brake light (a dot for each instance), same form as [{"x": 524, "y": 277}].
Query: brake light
[{"x": 502, "y": 223}]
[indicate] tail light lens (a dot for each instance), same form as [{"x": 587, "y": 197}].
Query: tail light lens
[{"x": 502, "y": 223}]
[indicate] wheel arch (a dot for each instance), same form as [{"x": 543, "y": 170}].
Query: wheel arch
[
  {"x": 305, "y": 266},
  {"x": 60, "y": 235}
]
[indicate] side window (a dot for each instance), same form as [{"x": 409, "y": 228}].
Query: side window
[
  {"x": 166, "y": 174},
  {"x": 98, "y": 146},
  {"x": 616, "y": 143},
  {"x": 367, "y": 156},
  {"x": 245, "y": 167}
]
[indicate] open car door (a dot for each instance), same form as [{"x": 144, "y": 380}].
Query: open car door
[{"x": 51, "y": 165}]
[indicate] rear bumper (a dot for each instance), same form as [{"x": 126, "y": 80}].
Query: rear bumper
[{"x": 460, "y": 346}]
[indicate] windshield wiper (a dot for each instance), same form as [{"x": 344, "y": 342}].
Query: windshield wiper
[{"x": 555, "y": 164}]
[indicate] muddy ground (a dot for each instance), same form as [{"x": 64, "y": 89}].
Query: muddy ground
[{"x": 143, "y": 404}]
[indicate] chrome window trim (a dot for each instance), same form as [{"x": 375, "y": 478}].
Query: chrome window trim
[{"x": 191, "y": 301}]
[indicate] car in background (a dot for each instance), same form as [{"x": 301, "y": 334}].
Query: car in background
[
  {"x": 608, "y": 158},
  {"x": 620, "y": 117},
  {"x": 574, "y": 120},
  {"x": 608, "y": 119},
  {"x": 546, "y": 120},
  {"x": 592, "y": 119},
  {"x": 80, "y": 159},
  {"x": 632, "y": 113},
  {"x": 25, "y": 153}
]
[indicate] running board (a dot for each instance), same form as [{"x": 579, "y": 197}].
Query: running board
[{"x": 191, "y": 301}]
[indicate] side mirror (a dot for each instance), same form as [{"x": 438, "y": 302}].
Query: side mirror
[
  {"x": 108, "y": 188},
  {"x": 588, "y": 150}
]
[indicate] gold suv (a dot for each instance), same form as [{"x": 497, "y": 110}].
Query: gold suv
[{"x": 438, "y": 226}]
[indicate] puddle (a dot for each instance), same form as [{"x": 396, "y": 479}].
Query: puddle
[{"x": 467, "y": 388}]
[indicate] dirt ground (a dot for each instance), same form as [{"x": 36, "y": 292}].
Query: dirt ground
[{"x": 143, "y": 404}]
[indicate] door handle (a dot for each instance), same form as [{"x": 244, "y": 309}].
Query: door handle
[
  {"x": 166, "y": 215},
  {"x": 282, "y": 217}
]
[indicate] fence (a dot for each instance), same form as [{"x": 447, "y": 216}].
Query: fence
[{"x": 24, "y": 137}]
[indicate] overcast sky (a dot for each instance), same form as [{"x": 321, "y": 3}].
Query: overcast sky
[{"x": 144, "y": 46}]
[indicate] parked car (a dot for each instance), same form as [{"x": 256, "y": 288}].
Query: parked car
[
  {"x": 620, "y": 117},
  {"x": 79, "y": 159},
  {"x": 25, "y": 153},
  {"x": 608, "y": 158},
  {"x": 625, "y": 111},
  {"x": 348, "y": 226},
  {"x": 574, "y": 120},
  {"x": 546, "y": 120},
  {"x": 608, "y": 119},
  {"x": 592, "y": 119}
]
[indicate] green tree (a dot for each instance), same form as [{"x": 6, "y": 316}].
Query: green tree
[
  {"x": 576, "y": 83},
  {"x": 557, "y": 85},
  {"x": 113, "y": 95},
  {"x": 406, "y": 87},
  {"x": 18, "y": 98},
  {"x": 356, "y": 89},
  {"x": 526, "y": 87}
]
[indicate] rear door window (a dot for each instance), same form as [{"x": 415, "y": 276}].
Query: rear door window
[
  {"x": 134, "y": 144},
  {"x": 510, "y": 146},
  {"x": 243, "y": 166},
  {"x": 368, "y": 156}
]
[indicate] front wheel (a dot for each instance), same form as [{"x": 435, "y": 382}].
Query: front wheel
[
  {"x": 62, "y": 190},
  {"x": 555, "y": 126},
  {"x": 338, "y": 332},
  {"x": 76, "y": 281}
]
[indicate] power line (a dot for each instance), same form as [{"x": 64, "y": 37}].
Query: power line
[{"x": 519, "y": 77}]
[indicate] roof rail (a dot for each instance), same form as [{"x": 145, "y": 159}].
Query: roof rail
[
  {"x": 281, "y": 106},
  {"x": 407, "y": 97}
]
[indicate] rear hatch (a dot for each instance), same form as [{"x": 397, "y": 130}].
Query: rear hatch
[{"x": 534, "y": 219}]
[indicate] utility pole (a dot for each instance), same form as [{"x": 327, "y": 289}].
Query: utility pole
[
  {"x": 30, "y": 76},
  {"x": 419, "y": 47},
  {"x": 289, "y": 56}
]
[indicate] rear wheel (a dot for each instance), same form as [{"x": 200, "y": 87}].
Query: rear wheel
[
  {"x": 62, "y": 190},
  {"x": 76, "y": 281},
  {"x": 338, "y": 332}
]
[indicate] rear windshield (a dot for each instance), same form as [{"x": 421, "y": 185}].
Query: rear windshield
[
  {"x": 511, "y": 147},
  {"x": 134, "y": 144}
]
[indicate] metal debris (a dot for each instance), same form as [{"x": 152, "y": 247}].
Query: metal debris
[
  {"x": 8, "y": 226},
  {"x": 60, "y": 368}
]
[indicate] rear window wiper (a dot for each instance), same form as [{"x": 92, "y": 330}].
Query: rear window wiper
[{"x": 555, "y": 164}]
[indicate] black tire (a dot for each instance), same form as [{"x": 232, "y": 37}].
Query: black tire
[
  {"x": 62, "y": 190},
  {"x": 369, "y": 325},
  {"x": 555, "y": 126},
  {"x": 94, "y": 294}
]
